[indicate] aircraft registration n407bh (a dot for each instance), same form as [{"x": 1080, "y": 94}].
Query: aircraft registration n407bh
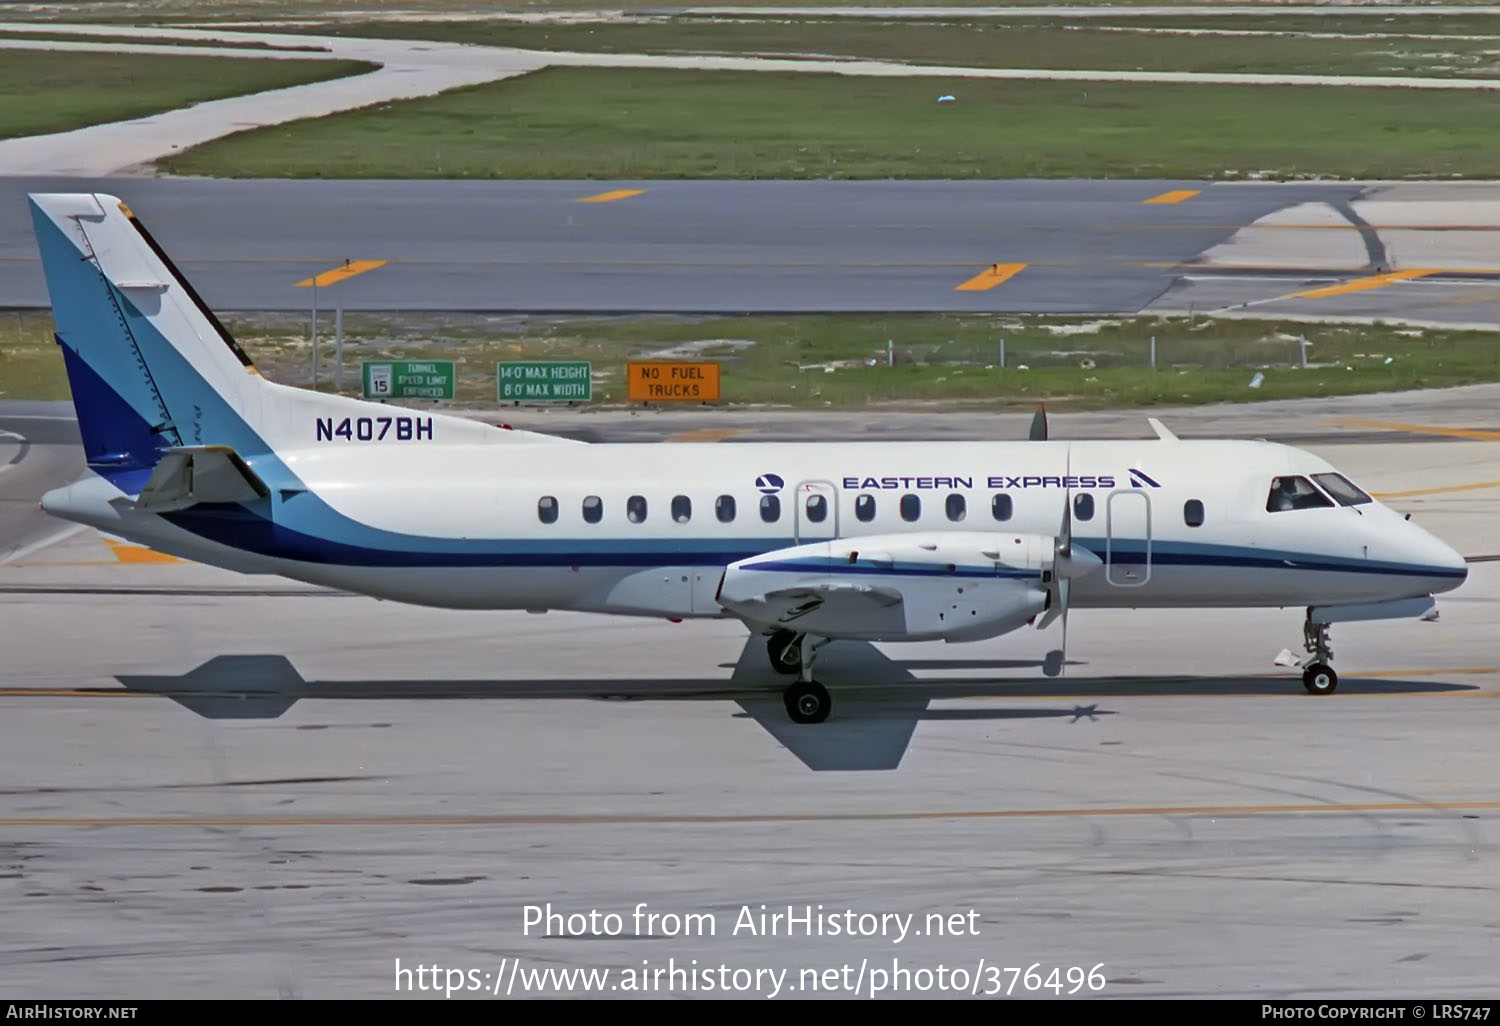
[{"x": 193, "y": 453}]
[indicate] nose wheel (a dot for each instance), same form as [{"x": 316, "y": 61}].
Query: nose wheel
[
  {"x": 1317, "y": 676},
  {"x": 1319, "y": 679}
]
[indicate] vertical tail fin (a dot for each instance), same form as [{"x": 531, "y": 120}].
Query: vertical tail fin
[
  {"x": 153, "y": 369},
  {"x": 149, "y": 365}
]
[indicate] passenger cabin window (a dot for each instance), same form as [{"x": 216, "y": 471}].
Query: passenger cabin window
[
  {"x": 1192, "y": 513},
  {"x": 593, "y": 509},
  {"x": 817, "y": 508},
  {"x": 1083, "y": 507},
  {"x": 546, "y": 509},
  {"x": 1294, "y": 493},
  {"x": 864, "y": 508},
  {"x": 911, "y": 507},
  {"x": 956, "y": 507},
  {"x": 724, "y": 508},
  {"x": 635, "y": 509},
  {"x": 770, "y": 508},
  {"x": 1344, "y": 491},
  {"x": 1001, "y": 507},
  {"x": 682, "y": 509}
]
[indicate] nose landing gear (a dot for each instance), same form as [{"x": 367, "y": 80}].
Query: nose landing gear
[{"x": 1317, "y": 676}]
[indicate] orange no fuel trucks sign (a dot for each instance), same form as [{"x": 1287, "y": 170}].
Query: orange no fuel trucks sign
[{"x": 651, "y": 382}]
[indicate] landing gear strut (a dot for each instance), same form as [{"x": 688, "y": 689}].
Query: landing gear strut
[
  {"x": 807, "y": 701},
  {"x": 1317, "y": 676}
]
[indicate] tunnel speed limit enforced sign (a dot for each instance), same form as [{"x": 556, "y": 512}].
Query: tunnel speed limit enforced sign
[{"x": 655, "y": 382}]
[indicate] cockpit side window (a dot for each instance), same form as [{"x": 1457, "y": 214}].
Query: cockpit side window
[
  {"x": 1344, "y": 491},
  {"x": 1294, "y": 493}
]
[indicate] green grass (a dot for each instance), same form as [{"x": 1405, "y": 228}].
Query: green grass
[
  {"x": 31, "y": 365},
  {"x": 971, "y": 42},
  {"x": 604, "y": 123},
  {"x": 203, "y": 10},
  {"x": 1073, "y": 363},
  {"x": 56, "y": 91},
  {"x": 79, "y": 37}
]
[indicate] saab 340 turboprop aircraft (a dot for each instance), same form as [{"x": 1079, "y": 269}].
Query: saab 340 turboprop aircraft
[{"x": 193, "y": 453}]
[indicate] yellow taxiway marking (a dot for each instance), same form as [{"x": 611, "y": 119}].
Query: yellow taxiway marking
[
  {"x": 995, "y": 274},
  {"x": 1376, "y": 281},
  {"x": 586, "y": 819},
  {"x": 338, "y": 274},
  {"x": 708, "y": 434},
  {"x": 1437, "y": 491},
  {"x": 1175, "y": 196},
  {"x": 136, "y": 554},
  {"x": 1429, "y": 673},
  {"x": 1422, "y": 429},
  {"x": 611, "y": 196}
]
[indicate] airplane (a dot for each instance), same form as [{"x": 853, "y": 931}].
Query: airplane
[{"x": 192, "y": 452}]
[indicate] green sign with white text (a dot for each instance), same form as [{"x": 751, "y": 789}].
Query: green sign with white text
[
  {"x": 408, "y": 379},
  {"x": 544, "y": 381}
]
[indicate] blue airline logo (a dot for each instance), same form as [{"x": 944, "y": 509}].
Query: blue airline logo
[
  {"x": 1140, "y": 479},
  {"x": 769, "y": 484}
]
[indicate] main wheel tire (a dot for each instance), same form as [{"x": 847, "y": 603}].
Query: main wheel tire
[
  {"x": 1319, "y": 679},
  {"x": 807, "y": 702},
  {"x": 777, "y": 648}
]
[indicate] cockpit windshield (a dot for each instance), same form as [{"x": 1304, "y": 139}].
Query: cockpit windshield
[
  {"x": 1344, "y": 491},
  {"x": 1294, "y": 493}
]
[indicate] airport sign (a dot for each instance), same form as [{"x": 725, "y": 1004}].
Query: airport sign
[
  {"x": 408, "y": 379},
  {"x": 544, "y": 381},
  {"x": 656, "y": 382}
]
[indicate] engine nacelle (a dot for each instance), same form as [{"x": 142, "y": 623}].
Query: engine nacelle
[{"x": 948, "y": 585}]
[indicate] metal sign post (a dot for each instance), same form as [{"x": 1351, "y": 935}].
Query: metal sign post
[{"x": 338, "y": 274}]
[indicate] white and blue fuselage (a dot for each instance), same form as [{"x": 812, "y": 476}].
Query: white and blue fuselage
[{"x": 193, "y": 453}]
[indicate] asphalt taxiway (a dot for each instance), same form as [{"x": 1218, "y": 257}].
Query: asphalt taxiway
[
  {"x": 246, "y": 787},
  {"x": 1304, "y": 250}
]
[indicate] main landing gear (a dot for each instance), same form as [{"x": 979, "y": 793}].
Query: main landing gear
[
  {"x": 1317, "y": 676},
  {"x": 807, "y": 701}
]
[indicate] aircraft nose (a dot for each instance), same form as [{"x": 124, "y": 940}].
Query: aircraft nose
[{"x": 1441, "y": 559}]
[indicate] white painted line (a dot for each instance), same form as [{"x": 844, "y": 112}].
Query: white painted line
[
  {"x": 45, "y": 543},
  {"x": 17, "y": 458}
]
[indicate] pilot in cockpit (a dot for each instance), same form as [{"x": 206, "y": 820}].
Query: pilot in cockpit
[{"x": 1293, "y": 493}]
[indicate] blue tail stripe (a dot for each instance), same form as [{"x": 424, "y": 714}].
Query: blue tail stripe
[{"x": 117, "y": 441}]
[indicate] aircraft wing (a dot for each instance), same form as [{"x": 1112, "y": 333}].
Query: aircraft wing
[{"x": 189, "y": 475}]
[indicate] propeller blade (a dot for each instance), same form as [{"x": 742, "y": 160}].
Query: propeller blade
[
  {"x": 1062, "y": 650},
  {"x": 1062, "y": 570},
  {"x": 1039, "y": 424},
  {"x": 1065, "y": 537}
]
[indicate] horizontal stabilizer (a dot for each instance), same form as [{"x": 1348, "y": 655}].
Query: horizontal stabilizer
[{"x": 191, "y": 475}]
